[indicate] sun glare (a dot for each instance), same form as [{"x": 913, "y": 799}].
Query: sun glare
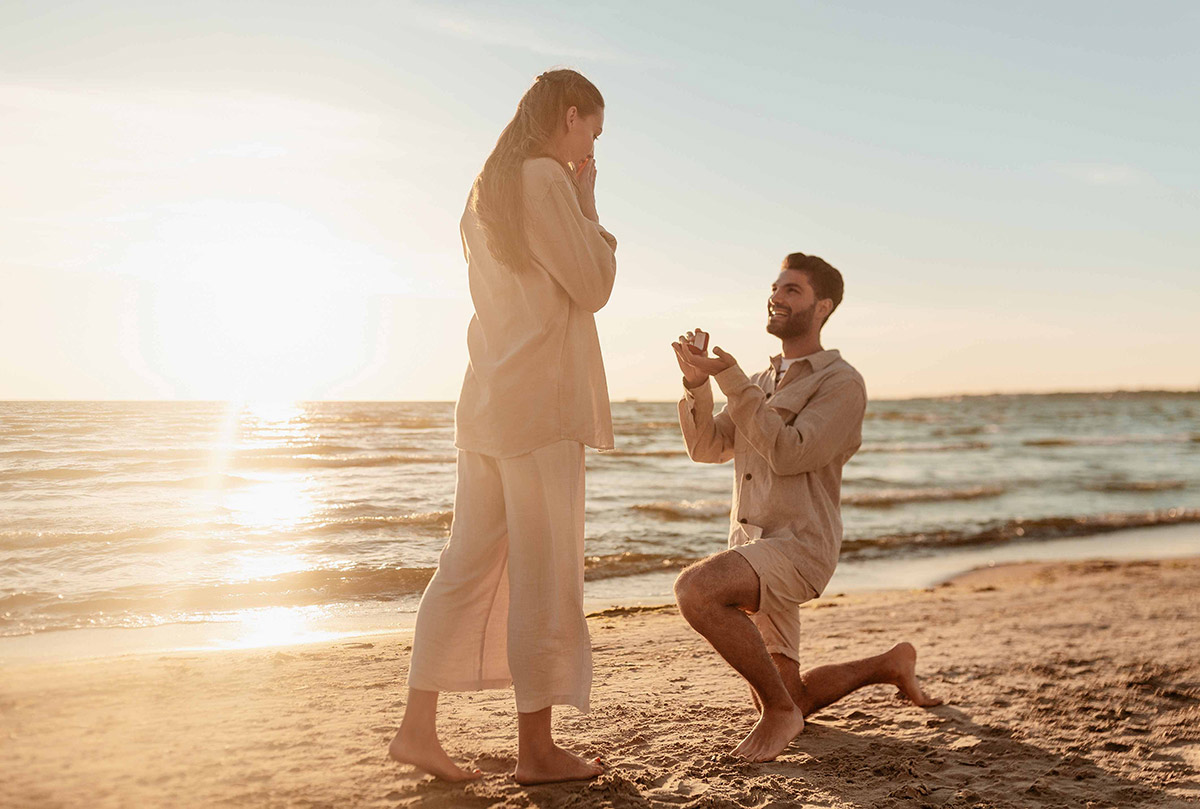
[
  {"x": 280, "y": 504},
  {"x": 254, "y": 302},
  {"x": 277, "y": 626}
]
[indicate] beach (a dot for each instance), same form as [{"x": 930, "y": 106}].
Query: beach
[{"x": 1066, "y": 684}]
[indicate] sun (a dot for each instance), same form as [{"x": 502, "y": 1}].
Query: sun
[{"x": 239, "y": 315}]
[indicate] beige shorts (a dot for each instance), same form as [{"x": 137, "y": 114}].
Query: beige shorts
[{"x": 781, "y": 591}]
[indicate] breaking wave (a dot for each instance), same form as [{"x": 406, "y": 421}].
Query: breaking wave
[
  {"x": 685, "y": 509},
  {"x": 887, "y": 498}
]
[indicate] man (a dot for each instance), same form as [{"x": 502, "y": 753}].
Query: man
[{"x": 789, "y": 431}]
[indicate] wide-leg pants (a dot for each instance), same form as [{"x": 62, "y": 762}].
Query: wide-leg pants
[{"x": 505, "y": 605}]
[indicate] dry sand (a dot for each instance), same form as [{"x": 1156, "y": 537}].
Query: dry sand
[{"x": 1072, "y": 684}]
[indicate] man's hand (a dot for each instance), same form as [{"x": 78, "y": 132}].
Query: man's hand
[{"x": 696, "y": 365}]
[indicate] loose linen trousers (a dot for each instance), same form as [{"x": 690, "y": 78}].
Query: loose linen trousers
[{"x": 506, "y": 603}]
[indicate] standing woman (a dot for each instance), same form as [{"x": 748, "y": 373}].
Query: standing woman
[{"x": 506, "y": 603}]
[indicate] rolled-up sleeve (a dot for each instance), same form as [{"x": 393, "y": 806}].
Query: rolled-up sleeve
[
  {"x": 709, "y": 438},
  {"x": 826, "y": 428},
  {"x": 577, "y": 252}
]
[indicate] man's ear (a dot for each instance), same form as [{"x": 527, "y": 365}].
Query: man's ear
[{"x": 824, "y": 309}]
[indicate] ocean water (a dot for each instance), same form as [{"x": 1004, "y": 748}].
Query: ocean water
[{"x": 146, "y": 514}]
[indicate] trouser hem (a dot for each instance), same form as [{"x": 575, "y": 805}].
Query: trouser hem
[
  {"x": 459, "y": 685},
  {"x": 535, "y": 704}
]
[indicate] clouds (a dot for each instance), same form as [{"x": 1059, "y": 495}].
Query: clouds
[
  {"x": 1105, "y": 174},
  {"x": 539, "y": 33}
]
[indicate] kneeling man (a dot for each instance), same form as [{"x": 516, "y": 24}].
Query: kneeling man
[{"x": 789, "y": 430}]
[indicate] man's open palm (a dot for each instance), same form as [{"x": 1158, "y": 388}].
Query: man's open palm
[{"x": 697, "y": 365}]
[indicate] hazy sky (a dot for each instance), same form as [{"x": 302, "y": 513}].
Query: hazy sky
[{"x": 261, "y": 199}]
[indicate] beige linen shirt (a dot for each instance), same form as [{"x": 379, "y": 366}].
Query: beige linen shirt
[
  {"x": 536, "y": 375},
  {"x": 788, "y": 445}
]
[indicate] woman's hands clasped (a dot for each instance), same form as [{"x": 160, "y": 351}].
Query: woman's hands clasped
[{"x": 697, "y": 365}]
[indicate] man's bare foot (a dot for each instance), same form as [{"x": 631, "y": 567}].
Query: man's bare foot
[
  {"x": 424, "y": 752},
  {"x": 771, "y": 735},
  {"x": 553, "y": 765},
  {"x": 902, "y": 671}
]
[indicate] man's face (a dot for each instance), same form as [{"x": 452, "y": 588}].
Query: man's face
[{"x": 792, "y": 307}]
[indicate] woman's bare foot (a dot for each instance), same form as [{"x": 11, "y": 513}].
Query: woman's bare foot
[
  {"x": 554, "y": 764},
  {"x": 423, "y": 751},
  {"x": 774, "y": 732},
  {"x": 902, "y": 672}
]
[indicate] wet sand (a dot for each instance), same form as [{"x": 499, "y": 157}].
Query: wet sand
[{"x": 1067, "y": 684}]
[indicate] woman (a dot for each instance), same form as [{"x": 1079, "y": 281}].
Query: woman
[{"x": 506, "y": 603}]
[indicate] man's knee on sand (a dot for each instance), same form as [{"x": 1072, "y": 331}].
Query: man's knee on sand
[{"x": 724, "y": 580}]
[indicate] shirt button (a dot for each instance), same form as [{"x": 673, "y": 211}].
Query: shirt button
[
  {"x": 743, "y": 520},
  {"x": 748, "y": 476}
]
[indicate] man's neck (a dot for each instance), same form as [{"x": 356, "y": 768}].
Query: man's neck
[{"x": 794, "y": 347}]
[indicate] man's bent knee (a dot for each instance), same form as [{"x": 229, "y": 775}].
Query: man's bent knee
[
  {"x": 689, "y": 588},
  {"x": 725, "y": 579}
]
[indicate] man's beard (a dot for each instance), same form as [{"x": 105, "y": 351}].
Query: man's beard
[{"x": 797, "y": 324}]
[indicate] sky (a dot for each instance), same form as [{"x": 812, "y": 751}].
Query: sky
[{"x": 212, "y": 200}]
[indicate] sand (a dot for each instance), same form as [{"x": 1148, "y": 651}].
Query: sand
[{"x": 1070, "y": 684}]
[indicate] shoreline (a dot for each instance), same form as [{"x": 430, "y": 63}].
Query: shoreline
[
  {"x": 284, "y": 627},
  {"x": 1067, "y": 683}
]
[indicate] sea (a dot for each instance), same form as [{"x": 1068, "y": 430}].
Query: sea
[{"x": 252, "y": 524}]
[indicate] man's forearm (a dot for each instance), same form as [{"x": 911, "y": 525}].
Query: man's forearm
[{"x": 708, "y": 439}]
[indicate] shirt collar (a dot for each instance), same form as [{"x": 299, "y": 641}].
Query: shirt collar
[{"x": 818, "y": 361}]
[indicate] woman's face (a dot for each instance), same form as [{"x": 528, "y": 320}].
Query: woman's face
[{"x": 579, "y": 139}]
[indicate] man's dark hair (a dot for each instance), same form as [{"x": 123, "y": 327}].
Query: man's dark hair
[{"x": 825, "y": 279}]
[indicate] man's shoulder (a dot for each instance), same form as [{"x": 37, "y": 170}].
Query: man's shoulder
[
  {"x": 841, "y": 369},
  {"x": 839, "y": 373}
]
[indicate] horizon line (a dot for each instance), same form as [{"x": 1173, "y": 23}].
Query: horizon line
[{"x": 919, "y": 397}]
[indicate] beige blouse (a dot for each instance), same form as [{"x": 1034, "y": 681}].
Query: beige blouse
[{"x": 536, "y": 375}]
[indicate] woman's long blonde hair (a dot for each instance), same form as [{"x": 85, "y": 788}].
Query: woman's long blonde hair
[{"x": 497, "y": 197}]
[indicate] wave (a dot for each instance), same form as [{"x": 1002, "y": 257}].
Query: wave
[
  {"x": 54, "y": 473},
  {"x": 893, "y": 415},
  {"x": 214, "y": 481},
  {"x": 685, "y": 509},
  {"x": 887, "y": 498},
  {"x": 646, "y": 453},
  {"x": 12, "y": 540},
  {"x": 1109, "y": 440},
  {"x": 271, "y": 463},
  {"x": 431, "y": 519},
  {"x": 304, "y": 588},
  {"x": 645, "y": 427},
  {"x": 197, "y": 453},
  {"x": 616, "y": 565},
  {"x": 1139, "y": 486},
  {"x": 398, "y": 422},
  {"x": 1003, "y": 531},
  {"x": 976, "y": 429},
  {"x": 924, "y": 446},
  {"x": 23, "y": 612}
]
